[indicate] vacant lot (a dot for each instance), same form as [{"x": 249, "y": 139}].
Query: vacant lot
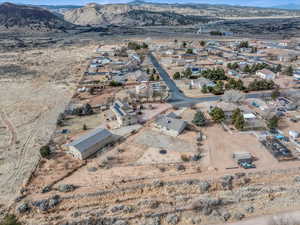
[
  {"x": 222, "y": 145},
  {"x": 36, "y": 85}
]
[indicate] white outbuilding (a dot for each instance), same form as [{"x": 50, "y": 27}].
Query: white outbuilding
[{"x": 90, "y": 143}]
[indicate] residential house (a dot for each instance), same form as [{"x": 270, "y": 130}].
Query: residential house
[
  {"x": 90, "y": 143},
  {"x": 137, "y": 76},
  {"x": 242, "y": 65},
  {"x": 266, "y": 74},
  {"x": 149, "y": 88},
  {"x": 287, "y": 57},
  {"x": 189, "y": 57},
  {"x": 134, "y": 56},
  {"x": 170, "y": 126},
  {"x": 294, "y": 134},
  {"x": 200, "y": 82},
  {"x": 124, "y": 113},
  {"x": 180, "y": 62},
  {"x": 246, "y": 50},
  {"x": 296, "y": 75}
]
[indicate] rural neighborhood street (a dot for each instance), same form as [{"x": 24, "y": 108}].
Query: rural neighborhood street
[{"x": 177, "y": 98}]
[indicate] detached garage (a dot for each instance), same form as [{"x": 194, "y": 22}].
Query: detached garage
[{"x": 90, "y": 143}]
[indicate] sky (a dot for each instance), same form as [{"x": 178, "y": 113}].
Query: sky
[{"x": 258, "y": 3}]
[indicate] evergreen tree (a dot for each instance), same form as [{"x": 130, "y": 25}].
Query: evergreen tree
[
  {"x": 289, "y": 71},
  {"x": 176, "y": 76},
  {"x": 199, "y": 119},
  {"x": 273, "y": 123},
  {"x": 217, "y": 114}
]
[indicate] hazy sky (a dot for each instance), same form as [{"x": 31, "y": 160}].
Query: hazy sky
[{"x": 260, "y": 3}]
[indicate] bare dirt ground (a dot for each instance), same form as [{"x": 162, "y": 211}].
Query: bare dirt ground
[
  {"x": 36, "y": 85},
  {"x": 131, "y": 182},
  {"x": 221, "y": 149}
]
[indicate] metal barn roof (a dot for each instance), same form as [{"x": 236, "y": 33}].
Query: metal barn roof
[{"x": 90, "y": 139}]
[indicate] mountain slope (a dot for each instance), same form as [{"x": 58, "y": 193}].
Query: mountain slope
[
  {"x": 129, "y": 15},
  {"x": 145, "y": 13},
  {"x": 29, "y": 18}
]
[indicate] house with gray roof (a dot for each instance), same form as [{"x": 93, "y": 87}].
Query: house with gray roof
[
  {"x": 90, "y": 143},
  {"x": 170, "y": 126}
]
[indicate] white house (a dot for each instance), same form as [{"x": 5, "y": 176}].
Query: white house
[
  {"x": 170, "y": 126},
  {"x": 124, "y": 113},
  {"x": 200, "y": 82},
  {"x": 296, "y": 75},
  {"x": 266, "y": 74},
  {"x": 294, "y": 134},
  {"x": 90, "y": 143}
]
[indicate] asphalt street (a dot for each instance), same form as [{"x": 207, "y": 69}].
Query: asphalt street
[{"x": 177, "y": 98}]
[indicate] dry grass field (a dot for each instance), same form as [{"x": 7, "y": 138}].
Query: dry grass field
[{"x": 36, "y": 85}]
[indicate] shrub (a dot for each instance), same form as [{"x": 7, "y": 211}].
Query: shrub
[
  {"x": 185, "y": 158},
  {"x": 84, "y": 127},
  {"x": 115, "y": 84},
  {"x": 45, "y": 151},
  {"x": 10, "y": 220}
]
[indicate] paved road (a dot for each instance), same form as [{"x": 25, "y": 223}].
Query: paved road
[{"x": 177, "y": 98}]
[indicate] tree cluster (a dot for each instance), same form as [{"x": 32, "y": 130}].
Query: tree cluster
[
  {"x": 189, "y": 51},
  {"x": 137, "y": 46},
  {"x": 289, "y": 71},
  {"x": 272, "y": 123},
  {"x": 237, "y": 119},
  {"x": 176, "y": 76},
  {"x": 235, "y": 84},
  {"x": 114, "y": 83},
  {"x": 217, "y": 114},
  {"x": 218, "y": 89},
  {"x": 244, "y": 44},
  {"x": 233, "y": 66},
  {"x": 214, "y": 74},
  {"x": 10, "y": 220},
  {"x": 261, "y": 85}
]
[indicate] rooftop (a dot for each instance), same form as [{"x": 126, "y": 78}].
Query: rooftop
[
  {"x": 170, "y": 123},
  {"x": 90, "y": 139}
]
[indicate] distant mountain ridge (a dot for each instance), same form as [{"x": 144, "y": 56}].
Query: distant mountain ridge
[
  {"x": 288, "y": 6},
  {"x": 141, "y": 13},
  {"x": 30, "y": 18},
  {"x": 129, "y": 15}
]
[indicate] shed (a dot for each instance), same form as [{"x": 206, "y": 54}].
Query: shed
[
  {"x": 243, "y": 157},
  {"x": 90, "y": 143}
]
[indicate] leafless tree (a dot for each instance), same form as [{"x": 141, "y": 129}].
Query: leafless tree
[{"x": 233, "y": 96}]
